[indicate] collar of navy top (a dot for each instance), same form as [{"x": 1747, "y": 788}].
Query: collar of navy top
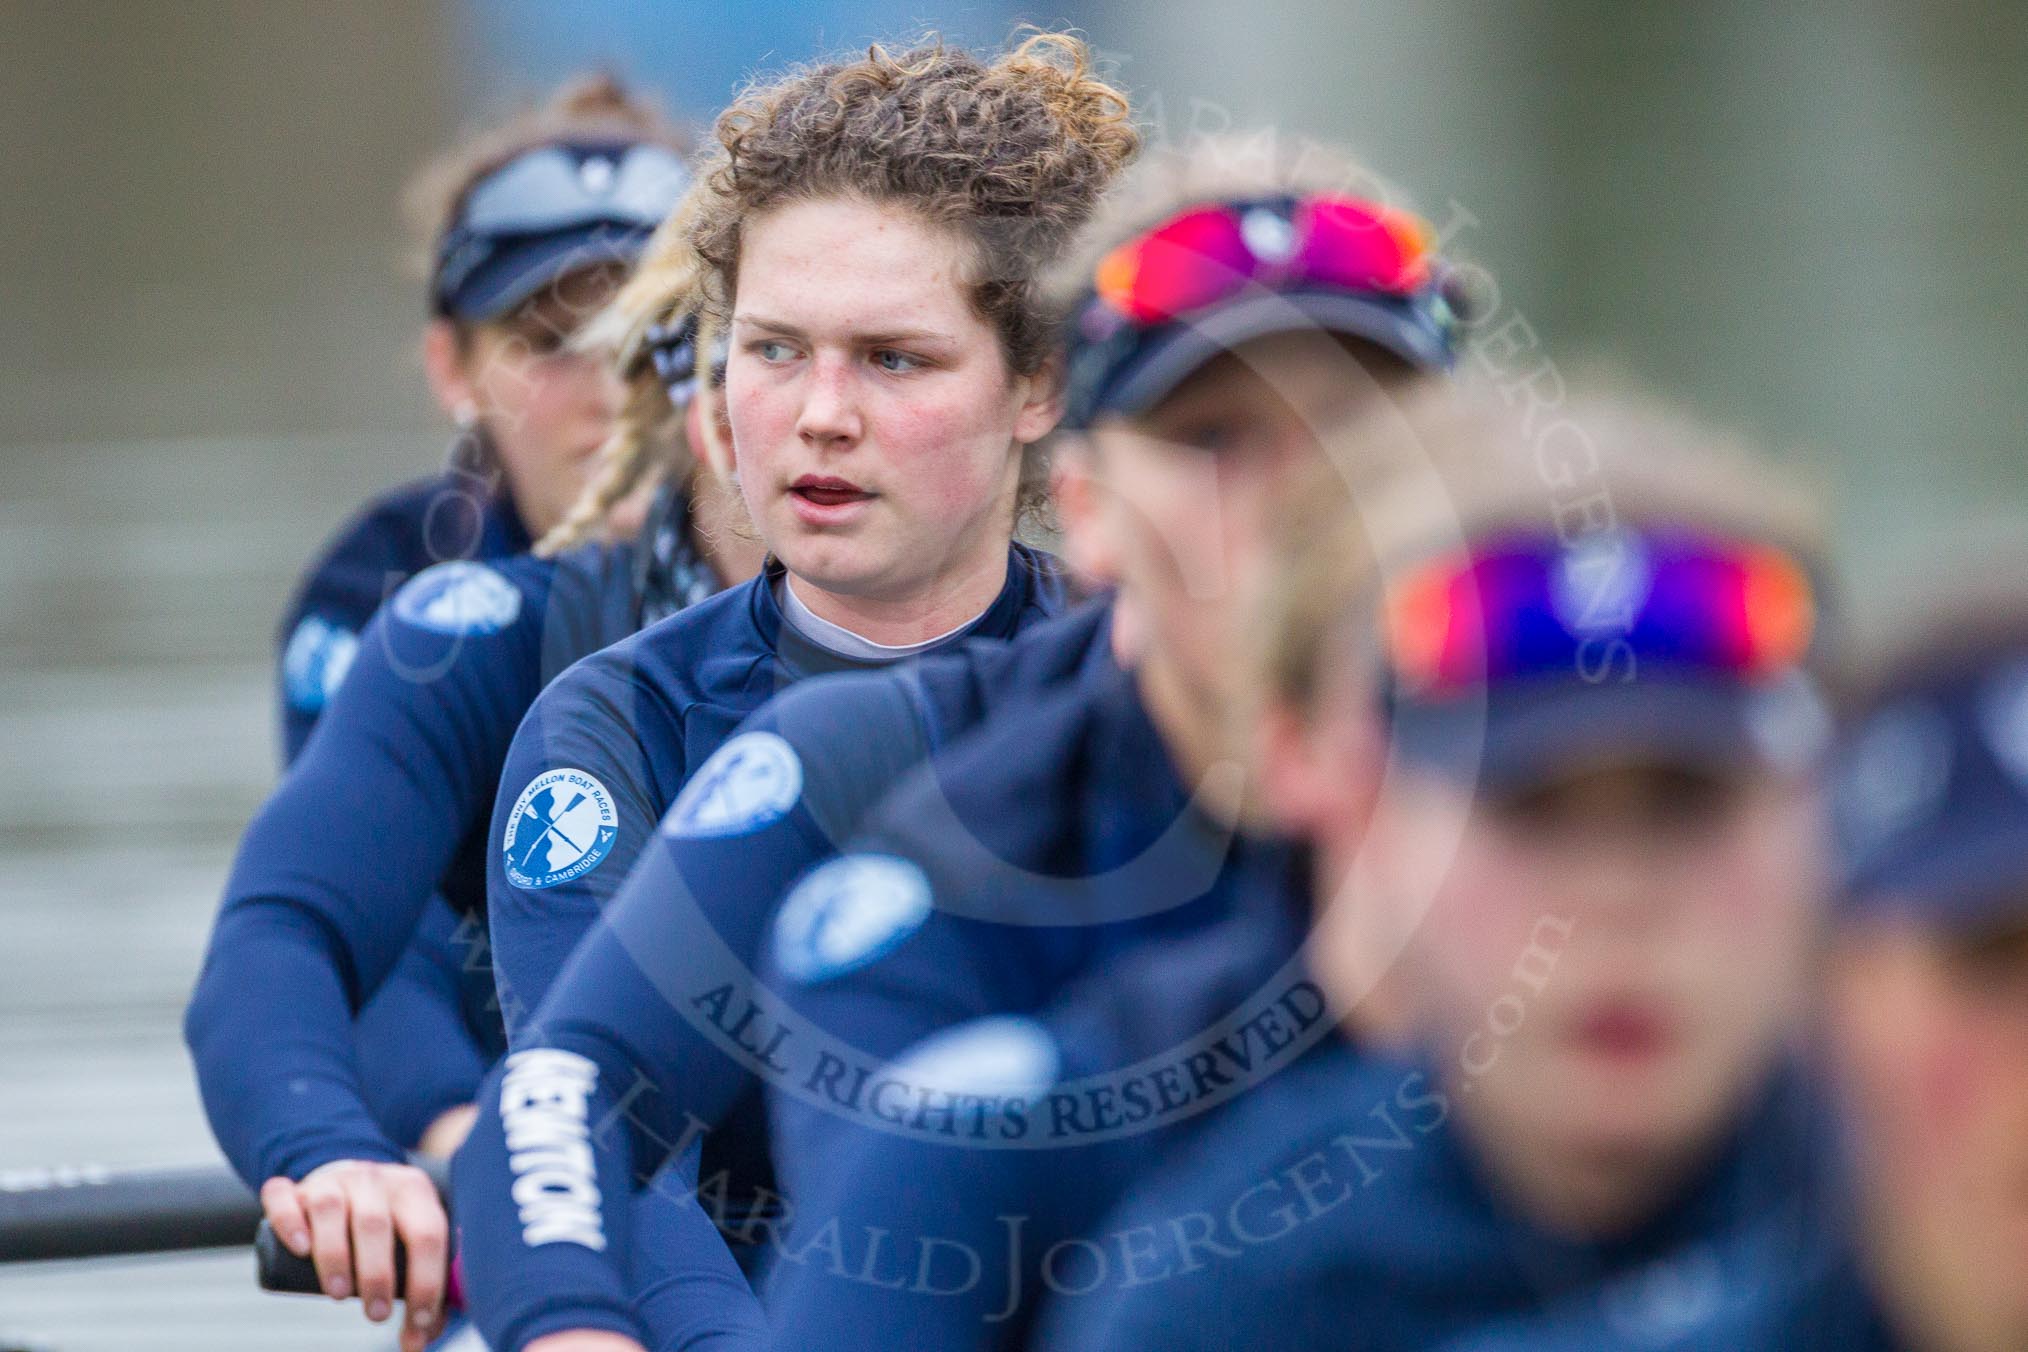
[
  {"x": 843, "y": 641},
  {"x": 1764, "y": 1160},
  {"x": 801, "y": 655}
]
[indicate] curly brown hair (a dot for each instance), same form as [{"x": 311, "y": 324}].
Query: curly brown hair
[{"x": 1012, "y": 154}]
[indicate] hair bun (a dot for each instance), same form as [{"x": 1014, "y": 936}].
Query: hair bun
[
  {"x": 1091, "y": 112},
  {"x": 597, "y": 96}
]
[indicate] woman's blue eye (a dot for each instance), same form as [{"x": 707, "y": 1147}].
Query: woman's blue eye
[
  {"x": 891, "y": 360},
  {"x": 769, "y": 350}
]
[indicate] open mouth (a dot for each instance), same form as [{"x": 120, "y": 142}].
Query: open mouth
[{"x": 828, "y": 492}]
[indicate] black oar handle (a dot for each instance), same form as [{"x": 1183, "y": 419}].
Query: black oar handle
[
  {"x": 93, "y": 1212},
  {"x": 89, "y": 1211},
  {"x": 276, "y": 1269}
]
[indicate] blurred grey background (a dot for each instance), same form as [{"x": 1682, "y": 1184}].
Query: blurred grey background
[{"x": 1806, "y": 219}]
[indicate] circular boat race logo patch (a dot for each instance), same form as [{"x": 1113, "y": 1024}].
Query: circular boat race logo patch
[
  {"x": 751, "y": 781},
  {"x": 561, "y": 828},
  {"x": 847, "y": 913},
  {"x": 315, "y": 662},
  {"x": 458, "y": 598}
]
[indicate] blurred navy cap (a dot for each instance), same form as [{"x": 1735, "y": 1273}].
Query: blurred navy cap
[
  {"x": 1930, "y": 794},
  {"x": 513, "y": 272},
  {"x": 1521, "y": 734},
  {"x": 1527, "y": 656}
]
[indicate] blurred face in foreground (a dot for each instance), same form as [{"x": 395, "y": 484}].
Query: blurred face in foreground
[
  {"x": 1177, "y": 506},
  {"x": 1931, "y": 1033},
  {"x": 1606, "y": 962}
]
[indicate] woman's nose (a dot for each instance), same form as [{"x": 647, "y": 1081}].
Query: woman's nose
[{"x": 830, "y": 413}]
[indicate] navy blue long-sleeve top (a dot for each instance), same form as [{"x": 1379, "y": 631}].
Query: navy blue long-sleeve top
[
  {"x": 682, "y": 935},
  {"x": 1794, "y": 1282},
  {"x": 387, "y": 805},
  {"x": 1128, "y": 1060},
  {"x": 601, "y": 759},
  {"x": 1035, "y": 850},
  {"x": 425, "y": 1038}
]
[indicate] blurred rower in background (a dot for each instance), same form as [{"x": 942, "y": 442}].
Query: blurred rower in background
[
  {"x": 351, "y": 882},
  {"x": 1929, "y": 980},
  {"x": 523, "y": 236},
  {"x": 520, "y": 240},
  {"x": 1926, "y": 1009},
  {"x": 1583, "y": 880},
  {"x": 523, "y": 231}
]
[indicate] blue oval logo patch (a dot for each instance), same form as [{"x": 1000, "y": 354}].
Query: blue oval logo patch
[
  {"x": 847, "y": 913},
  {"x": 561, "y": 827},
  {"x": 458, "y": 598},
  {"x": 752, "y": 780}
]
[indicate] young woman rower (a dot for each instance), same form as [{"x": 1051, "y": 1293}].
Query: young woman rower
[
  {"x": 387, "y": 803},
  {"x": 870, "y": 236}
]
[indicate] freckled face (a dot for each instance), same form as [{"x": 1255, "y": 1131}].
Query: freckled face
[{"x": 876, "y": 427}]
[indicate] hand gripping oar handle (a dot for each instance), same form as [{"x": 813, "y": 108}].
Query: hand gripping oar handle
[
  {"x": 277, "y": 1269},
  {"x": 281, "y": 1270},
  {"x": 88, "y": 1211}
]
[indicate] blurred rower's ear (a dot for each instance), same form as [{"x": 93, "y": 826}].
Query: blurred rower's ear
[
  {"x": 1075, "y": 488},
  {"x": 1319, "y": 775},
  {"x": 444, "y": 365}
]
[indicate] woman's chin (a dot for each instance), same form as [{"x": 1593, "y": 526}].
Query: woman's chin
[
  {"x": 1616, "y": 1104},
  {"x": 843, "y": 567}
]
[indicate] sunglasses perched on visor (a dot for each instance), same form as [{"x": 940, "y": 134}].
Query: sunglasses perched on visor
[
  {"x": 1316, "y": 252},
  {"x": 1669, "y": 603},
  {"x": 1212, "y": 253},
  {"x": 626, "y": 189}
]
